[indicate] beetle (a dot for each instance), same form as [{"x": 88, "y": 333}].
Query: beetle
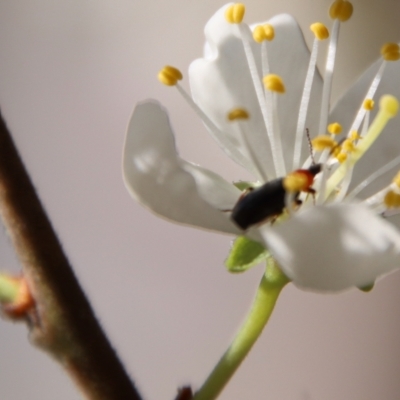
[{"x": 269, "y": 200}]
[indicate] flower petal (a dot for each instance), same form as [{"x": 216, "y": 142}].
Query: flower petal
[
  {"x": 155, "y": 175},
  {"x": 215, "y": 190},
  {"x": 332, "y": 248},
  {"x": 387, "y": 146},
  {"x": 224, "y": 70}
]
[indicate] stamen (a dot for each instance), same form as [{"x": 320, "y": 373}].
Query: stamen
[
  {"x": 368, "y": 104},
  {"x": 348, "y": 146},
  {"x": 387, "y": 198},
  {"x": 169, "y": 75},
  {"x": 274, "y": 83},
  {"x": 240, "y": 114},
  {"x": 342, "y": 157},
  {"x": 264, "y": 59},
  {"x": 321, "y": 33},
  {"x": 388, "y": 109},
  {"x": 329, "y": 67},
  {"x": 392, "y": 199},
  {"x": 390, "y": 52},
  {"x": 215, "y": 132},
  {"x": 235, "y": 13},
  {"x": 341, "y": 10},
  {"x": 354, "y": 136},
  {"x": 335, "y": 128},
  {"x": 369, "y": 96},
  {"x": 323, "y": 142},
  {"x": 274, "y": 139},
  {"x": 365, "y": 124},
  {"x": 262, "y": 33},
  {"x": 377, "y": 174}
]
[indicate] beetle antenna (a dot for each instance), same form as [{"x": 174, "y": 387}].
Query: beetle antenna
[{"x": 310, "y": 147}]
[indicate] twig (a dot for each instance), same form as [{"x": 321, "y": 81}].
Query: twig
[{"x": 63, "y": 322}]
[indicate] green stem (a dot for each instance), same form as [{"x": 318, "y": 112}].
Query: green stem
[{"x": 267, "y": 294}]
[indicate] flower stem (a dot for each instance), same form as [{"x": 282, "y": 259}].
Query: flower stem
[{"x": 267, "y": 294}]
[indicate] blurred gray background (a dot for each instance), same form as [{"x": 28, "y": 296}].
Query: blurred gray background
[{"x": 70, "y": 73}]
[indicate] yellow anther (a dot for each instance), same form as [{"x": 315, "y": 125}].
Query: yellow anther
[
  {"x": 348, "y": 146},
  {"x": 323, "y": 142},
  {"x": 341, "y": 157},
  {"x": 389, "y": 105},
  {"x": 295, "y": 182},
  {"x": 336, "y": 151},
  {"x": 368, "y": 104},
  {"x": 169, "y": 75},
  {"x": 263, "y": 32},
  {"x": 390, "y": 51},
  {"x": 392, "y": 199},
  {"x": 335, "y": 128},
  {"x": 274, "y": 83},
  {"x": 354, "y": 136},
  {"x": 234, "y": 14},
  {"x": 396, "y": 179},
  {"x": 341, "y": 10},
  {"x": 320, "y": 30},
  {"x": 238, "y": 113}
]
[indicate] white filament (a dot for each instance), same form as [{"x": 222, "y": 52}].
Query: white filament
[
  {"x": 305, "y": 99},
  {"x": 370, "y": 95},
  {"x": 274, "y": 139}
]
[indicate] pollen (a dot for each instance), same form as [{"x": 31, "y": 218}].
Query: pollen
[
  {"x": 389, "y": 105},
  {"x": 263, "y": 32},
  {"x": 235, "y": 13},
  {"x": 348, "y": 146},
  {"x": 237, "y": 114},
  {"x": 296, "y": 181},
  {"x": 341, "y": 157},
  {"x": 320, "y": 30},
  {"x": 341, "y": 10},
  {"x": 368, "y": 104},
  {"x": 354, "y": 136},
  {"x": 392, "y": 199},
  {"x": 274, "y": 83},
  {"x": 335, "y": 128},
  {"x": 169, "y": 76},
  {"x": 390, "y": 51},
  {"x": 323, "y": 142}
]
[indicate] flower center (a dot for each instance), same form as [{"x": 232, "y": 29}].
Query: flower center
[{"x": 336, "y": 158}]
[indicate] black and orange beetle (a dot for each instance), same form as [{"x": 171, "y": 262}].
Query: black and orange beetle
[{"x": 269, "y": 200}]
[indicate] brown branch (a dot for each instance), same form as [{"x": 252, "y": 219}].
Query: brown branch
[{"x": 63, "y": 322}]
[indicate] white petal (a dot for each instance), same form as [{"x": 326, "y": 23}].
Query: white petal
[
  {"x": 387, "y": 146},
  {"x": 221, "y": 81},
  {"x": 215, "y": 190},
  {"x": 154, "y": 174},
  {"x": 332, "y": 248}
]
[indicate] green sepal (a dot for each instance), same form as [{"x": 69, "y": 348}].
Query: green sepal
[
  {"x": 243, "y": 185},
  {"x": 244, "y": 254}
]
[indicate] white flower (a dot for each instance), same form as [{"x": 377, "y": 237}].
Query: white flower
[{"x": 333, "y": 241}]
